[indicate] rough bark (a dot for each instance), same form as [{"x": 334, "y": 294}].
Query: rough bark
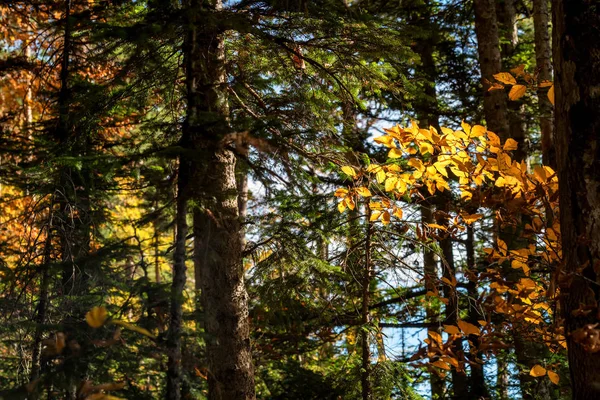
[
  {"x": 509, "y": 38},
  {"x": 217, "y": 227},
  {"x": 577, "y": 143},
  {"x": 488, "y": 48},
  {"x": 543, "y": 60}
]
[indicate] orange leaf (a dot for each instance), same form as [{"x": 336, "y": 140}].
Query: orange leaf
[
  {"x": 468, "y": 329},
  {"x": 537, "y": 371},
  {"x": 505, "y": 78},
  {"x": 516, "y": 92},
  {"x": 553, "y": 377}
]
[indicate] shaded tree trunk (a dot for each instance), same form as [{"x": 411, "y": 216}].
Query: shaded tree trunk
[
  {"x": 217, "y": 227},
  {"x": 365, "y": 376},
  {"x": 577, "y": 143},
  {"x": 488, "y": 48},
  {"x": 543, "y": 61},
  {"x": 478, "y": 388},
  {"x": 432, "y": 312},
  {"x": 507, "y": 24}
]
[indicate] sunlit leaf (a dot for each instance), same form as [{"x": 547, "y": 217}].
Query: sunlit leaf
[
  {"x": 537, "y": 371},
  {"x": 510, "y": 144},
  {"x": 506, "y": 78},
  {"x": 551, "y": 94},
  {"x": 350, "y": 171},
  {"x": 516, "y": 92},
  {"x": 468, "y": 328},
  {"x": 363, "y": 191},
  {"x": 451, "y": 330}
]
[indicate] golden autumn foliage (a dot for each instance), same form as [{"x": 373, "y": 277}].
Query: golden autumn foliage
[{"x": 474, "y": 164}]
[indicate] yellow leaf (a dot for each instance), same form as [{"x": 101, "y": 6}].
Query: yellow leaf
[
  {"x": 395, "y": 153},
  {"x": 425, "y": 148},
  {"x": 470, "y": 218},
  {"x": 468, "y": 329},
  {"x": 478, "y": 131},
  {"x": 341, "y": 192},
  {"x": 554, "y": 378},
  {"x": 505, "y": 78},
  {"x": 380, "y": 176},
  {"x": 375, "y": 216},
  {"x": 510, "y": 144},
  {"x": 544, "y": 84},
  {"x": 441, "y": 364},
  {"x": 134, "y": 328},
  {"x": 363, "y": 191},
  {"x": 398, "y": 213},
  {"x": 341, "y": 206},
  {"x": 390, "y": 183},
  {"x": 537, "y": 371},
  {"x": 494, "y": 139},
  {"x": 441, "y": 169},
  {"x": 349, "y": 171},
  {"x": 466, "y": 127},
  {"x": 417, "y": 164},
  {"x": 551, "y": 94},
  {"x": 451, "y": 330},
  {"x": 96, "y": 317},
  {"x": 516, "y": 92},
  {"x": 385, "y": 140}
]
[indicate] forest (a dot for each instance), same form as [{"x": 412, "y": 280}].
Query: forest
[{"x": 300, "y": 199}]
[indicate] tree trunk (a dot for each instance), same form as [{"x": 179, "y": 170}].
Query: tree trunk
[
  {"x": 543, "y": 60},
  {"x": 488, "y": 48},
  {"x": 365, "y": 376},
  {"x": 217, "y": 227},
  {"x": 432, "y": 312},
  {"x": 174, "y": 373},
  {"x": 478, "y": 388},
  {"x": 577, "y": 143},
  {"x": 507, "y": 23},
  {"x": 459, "y": 379}
]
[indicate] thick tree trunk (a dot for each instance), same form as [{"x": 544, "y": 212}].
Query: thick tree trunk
[
  {"x": 488, "y": 48},
  {"x": 577, "y": 143},
  {"x": 543, "y": 61},
  {"x": 217, "y": 227}
]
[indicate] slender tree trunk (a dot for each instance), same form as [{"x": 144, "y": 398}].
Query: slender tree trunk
[
  {"x": 365, "y": 376},
  {"x": 459, "y": 379},
  {"x": 217, "y": 227},
  {"x": 488, "y": 48},
  {"x": 432, "y": 312},
  {"x": 507, "y": 24},
  {"x": 478, "y": 388},
  {"x": 577, "y": 143},
  {"x": 543, "y": 60},
  {"x": 42, "y": 307},
  {"x": 174, "y": 373}
]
